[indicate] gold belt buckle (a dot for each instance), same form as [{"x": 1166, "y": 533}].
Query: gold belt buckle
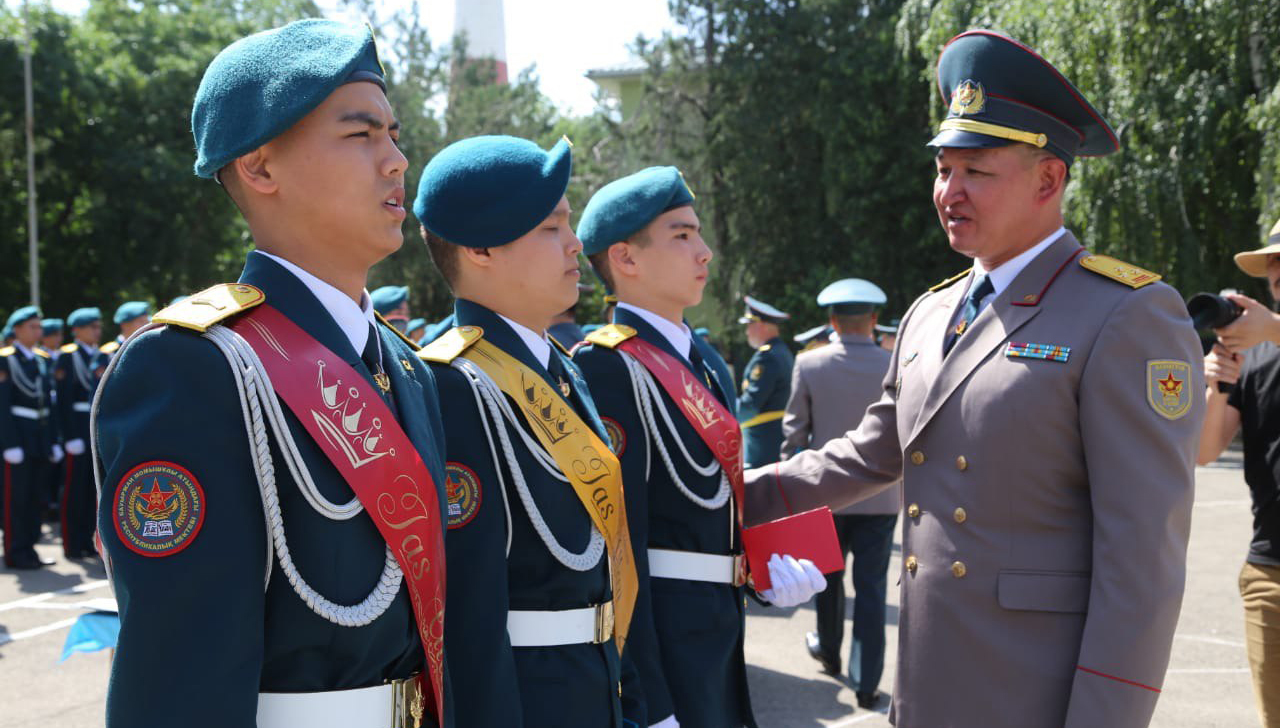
[
  {"x": 604, "y": 622},
  {"x": 407, "y": 706},
  {"x": 739, "y": 569}
]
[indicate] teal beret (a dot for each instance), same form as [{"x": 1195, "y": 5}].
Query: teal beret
[
  {"x": 50, "y": 326},
  {"x": 414, "y": 325},
  {"x": 999, "y": 91},
  {"x": 388, "y": 298},
  {"x": 21, "y": 316},
  {"x": 83, "y": 317},
  {"x": 131, "y": 310},
  {"x": 259, "y": 86},
  {"x": 438, "y": 329},
  {"x": 487, "y": 191},
  {"x": 625, "y": 206}
]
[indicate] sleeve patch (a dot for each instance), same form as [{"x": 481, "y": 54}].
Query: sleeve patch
[
  {"x": 158, "y": 509},
  {"x": 617, "y": 437},
  {"x": 757, "y": 371},
  {"x": 1167, "y": 389},
  {"x": 462, "y": 489}
]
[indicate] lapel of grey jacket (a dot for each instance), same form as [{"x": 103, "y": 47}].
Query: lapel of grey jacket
[{"x": 993, "y": 326}]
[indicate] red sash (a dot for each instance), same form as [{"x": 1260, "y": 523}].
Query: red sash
[
  {"x": 357, "y": 431},
  {"x": 714, "y": 423}
]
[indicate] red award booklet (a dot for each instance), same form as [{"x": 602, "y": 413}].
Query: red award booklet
[{"x": 810, "y": 535}]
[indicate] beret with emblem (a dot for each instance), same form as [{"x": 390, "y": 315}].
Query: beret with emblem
[
  {"x": 130, "y": 310},
  {"x": 487, "y": 191},
  {"x": 19, "y": 317},
  {"x": 84, "y": 316},
  {"x": 388, "y": 298},
  {"x": 50, "y": 326},
  {"x": 999, "y": 91},
  {"x": 259, "y": 86},
  {"x": 624, "y": 207}
]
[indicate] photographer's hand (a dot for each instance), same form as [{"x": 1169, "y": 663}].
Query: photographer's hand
[
  {"x": 1256, "y": 324},
  {"x": 1220, "y": 365}
]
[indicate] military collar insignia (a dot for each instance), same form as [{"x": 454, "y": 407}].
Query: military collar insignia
[{"x": 969, "y": 98}]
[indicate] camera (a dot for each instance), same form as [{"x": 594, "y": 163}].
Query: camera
[{"x": 1211, "y": 311}]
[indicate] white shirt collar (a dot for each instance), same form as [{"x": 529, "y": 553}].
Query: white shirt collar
[
  {"x": 29, "y": 354},
  {"x": 354, "y": 320},
  {"x": 680, "y": 337},
  {"x": 537, "y": 343},
  {"x": 1004, "y": 273}
]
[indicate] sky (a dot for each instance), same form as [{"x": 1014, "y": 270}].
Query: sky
[{"x": 563, "y": 38}]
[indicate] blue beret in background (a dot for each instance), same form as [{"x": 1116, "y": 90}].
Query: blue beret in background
[
  {"x": 388, "y": 298},
  {"x": 130, "y": 310},
  {"x": 50, "y": 326},
  {"x": 487, "y": 191},
  {"x": 83, "y": 317},
  {"x": 412, "y": 327},
  {"x": 21, "y": 316},
  {"x": 624, "y": 207},
  {"x": 259, "y": 86}
]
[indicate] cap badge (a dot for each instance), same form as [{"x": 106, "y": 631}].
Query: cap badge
[{"x": 969, "y": 98}]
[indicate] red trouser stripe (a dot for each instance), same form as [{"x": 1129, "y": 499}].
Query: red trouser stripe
[
  {"x": 66, "y": 499},
  {"x": 1118, "y": 679}
]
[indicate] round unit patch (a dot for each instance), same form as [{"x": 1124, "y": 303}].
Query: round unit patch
[
  {"x": 462, "y": 488},
  {"x": 617, "y": 438},
  {"x": 158, "y": 509}
]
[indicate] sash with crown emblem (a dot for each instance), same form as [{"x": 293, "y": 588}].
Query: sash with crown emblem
[
  {"x": 582, "y": 456},
  {"x": 358, "y": 433}
]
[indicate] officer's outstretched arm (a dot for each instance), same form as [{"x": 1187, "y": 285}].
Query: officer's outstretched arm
[
  {"x": 181, "y": 520},
  {"x": 1141, "y": 406}
]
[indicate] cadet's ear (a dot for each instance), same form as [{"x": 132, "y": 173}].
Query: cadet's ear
[
  {"x": 250, "y": 171},
  {"x": 477, "y": 256},
  {"x": 621, "y": 259}
]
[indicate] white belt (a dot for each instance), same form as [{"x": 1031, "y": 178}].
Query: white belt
[
  {"x": 381, "y": 706},
  {"x": 693, "y": 566},
  {"x": 81, "y": 407},
  {"x": 28, "y": 413},
  {"x": 589, "y": 625}
]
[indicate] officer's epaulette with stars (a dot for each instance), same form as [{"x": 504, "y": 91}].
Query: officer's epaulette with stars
[
  {"x": 451, "y": 344},
  {"x": 1119, "y": 271},
  {"x": 7, "y": 351},
  {"x": 950, "y": 280},
  {"x": 68, "y": 348},
  {"x": 210, "y": 306},
  {"x": 611, "y": 336},
  {"x": 412, "y": 344}
]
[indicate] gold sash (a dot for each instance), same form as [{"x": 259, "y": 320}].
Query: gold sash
[{"x": 592, "y": 468}]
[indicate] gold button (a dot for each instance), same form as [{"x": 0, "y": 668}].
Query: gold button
[
  {"x": 911, "y": 564},
  {"x": 961, "y": 516},
  {"x": 958, "y": 570},
  {"x": 913, "y": 511},
  {"x": 917, "y": 457},
  {"x": 961, "y": 463}
]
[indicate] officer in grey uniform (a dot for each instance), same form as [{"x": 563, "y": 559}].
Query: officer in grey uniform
[
  {"x": 1042, "y": 409},
  {"x": 831, "y": 386},
  {"x": 766, "y": 383}
]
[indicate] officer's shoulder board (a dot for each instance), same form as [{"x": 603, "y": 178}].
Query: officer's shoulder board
[
  {"x": 559, "y": 346},
  {"x": 451, "y": 344},
  {"x": 766, "y": 347},
  {"x": 210, "y": 306},
  {"x": 7, "y": 351},
  {"x": 412, "y": 344},
  {"x": 611, "y": 336},
  {"x": 68, "y": 348},
  {"x": 950, "y": 280},
  {"x": 40, "y": 352},
  {"x": 109, "y": 347},
  {"x": 1119, "y": 271}
]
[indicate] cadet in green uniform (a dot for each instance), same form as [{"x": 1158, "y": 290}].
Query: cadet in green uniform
[
  {"x": 76, "y": 374},
  {"x": 28, "y": 437},
  {"x": 766, "y": 383},
  {"x": 534, "y": 524},
  {"x": 272, "y": 487}
]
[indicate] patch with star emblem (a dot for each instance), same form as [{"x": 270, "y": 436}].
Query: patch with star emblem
[
  {"x": 158, "y": 509},
  {"x": 462, "y": 488},
  {"x": 617, "y": 438},
  {"x": 1169, "y": 387}
]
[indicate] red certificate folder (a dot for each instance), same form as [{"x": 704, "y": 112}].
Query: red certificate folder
[{"x": 810, "y": 535}]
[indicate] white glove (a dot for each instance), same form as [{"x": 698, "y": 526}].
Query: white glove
[
  {"x": 794, "y": 582},
  {"x": 55, "y": 453},
  {"x": 669, "y": 722},
  {"x": 13, "y": 456},
  {"x": 75, "y": 447}
]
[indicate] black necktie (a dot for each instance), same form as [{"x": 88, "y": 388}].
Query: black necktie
[
  {"x": 372, "y": 358},
  {"x": 700, "y": 366},
  {"x": 980, "y": 291}
]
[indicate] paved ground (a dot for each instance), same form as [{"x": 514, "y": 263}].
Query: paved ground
[{"x": 1207, "y": 686}]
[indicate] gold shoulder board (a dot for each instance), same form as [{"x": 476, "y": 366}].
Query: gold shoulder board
[
  {"x": 109, "y": 347},
  {"x": 610, "y": 336},
  {"x": 412, "y": 344},
  {"x": 950, "y": 280},
  {"x": 766, "y": 347},
  {"x": 210, "y": 306},
  {"x": 68, "y": 348},
  {"x": 1108, "y": 267},
  {"x": 451, "y": 345},
  {"x": 559, "y": 346},
  {"x": 7, "y": 351},
  {"x": 41, "y": 352}
]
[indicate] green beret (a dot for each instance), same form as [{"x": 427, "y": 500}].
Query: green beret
[
  {"x": 259, "y": 86},
  {"x": 388, "y": 298},
  {"x": 625, "y": 206},
  {"x": 999, "y": 91},
  {"x": 130, "y": 310},
  {"x": 21, "y": 316},
  {"x": 83, "y": 317},
  {"x": 487, "y": 191},
  {"x": 50, "y": 326}
]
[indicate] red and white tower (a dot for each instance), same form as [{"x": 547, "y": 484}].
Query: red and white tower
[{"x": 484, "y": 26}]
